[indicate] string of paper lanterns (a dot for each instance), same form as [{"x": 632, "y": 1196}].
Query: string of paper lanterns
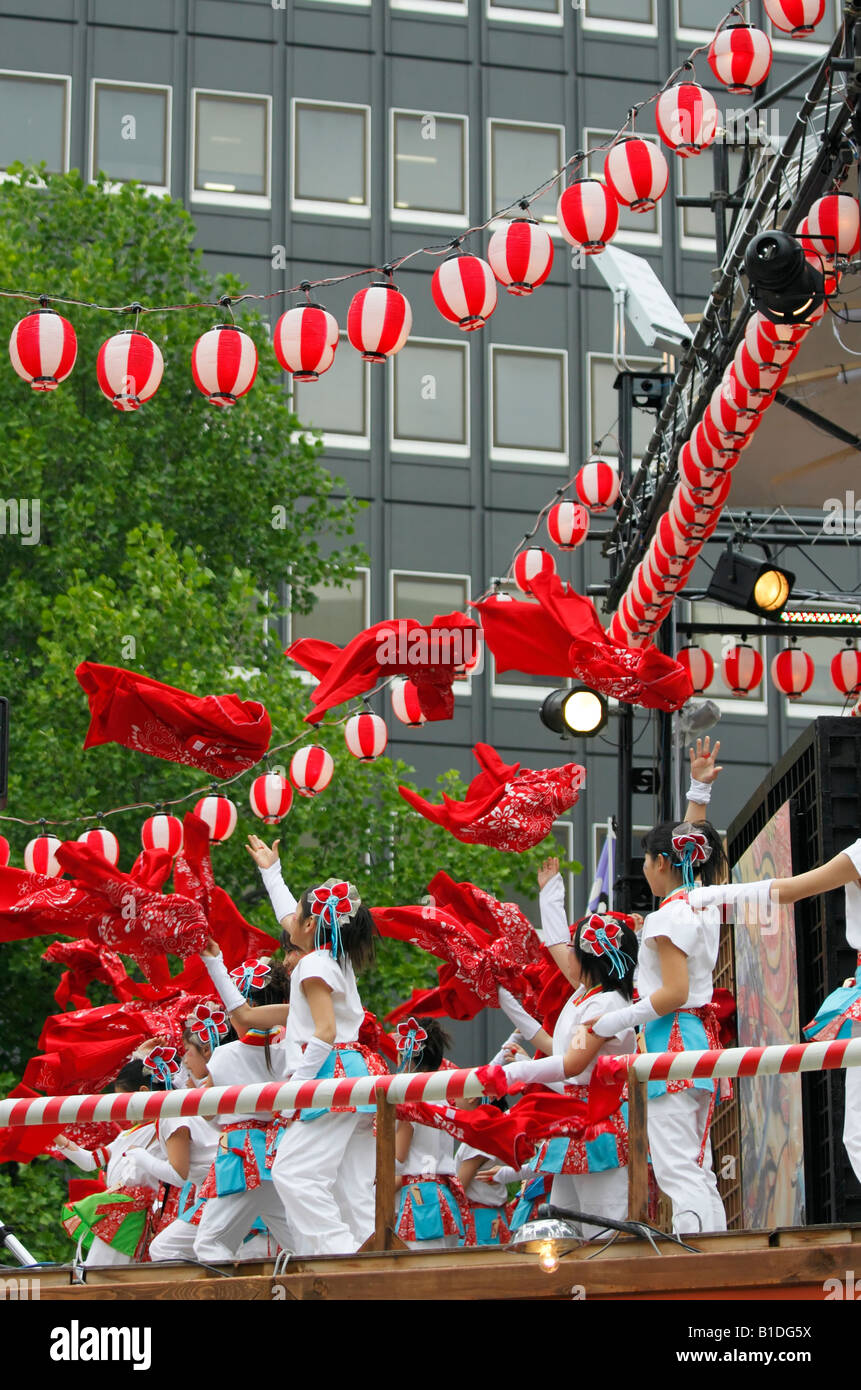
[{"x": 792, "y": 669}]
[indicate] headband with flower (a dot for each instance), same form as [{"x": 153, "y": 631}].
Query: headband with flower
[
  {"x": 410, "y": 1039},
  {"x": 692, "y": 847},
  {"x": 601, "y": 935},
  {"x": 162, "y": 1061},
  {"x": 208, "y": 1024},
  {"x": 332, "y": 906},
  {"x": 251, "y": 974}
]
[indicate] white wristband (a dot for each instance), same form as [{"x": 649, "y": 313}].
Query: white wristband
[
  {"x": 513, "y": 1010},
  {"x": 542, "y": 1069},
  {"x": 555, "y": 930},
  {"x": 700, "y": 792},
  {"x": 282, "y": 900},
  {"x": 313, "y": 1058},
  {"x": 515, "y": 1039},
  {"x": 231, "y": 997},
  {"x": 750, "y": 903},
  {"x": 612, "y": 1024}
]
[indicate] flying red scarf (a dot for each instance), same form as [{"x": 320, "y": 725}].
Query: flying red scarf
[
  {"x": 220, "y": 734},
  {"x": 561, "y": 635},
  {"x": 505, "y": 807},
  {"x": 431, "y": 656}
]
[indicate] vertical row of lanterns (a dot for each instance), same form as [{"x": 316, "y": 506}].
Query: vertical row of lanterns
[
  {"x": 792, "y": 669},
  {"x": 734, "y": 413}
]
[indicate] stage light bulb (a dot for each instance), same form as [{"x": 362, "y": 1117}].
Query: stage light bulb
[
  {"x": 547, "y": 1258},
  {"x": 771, "y": 591},
  {"x": 583, "y": 712}
]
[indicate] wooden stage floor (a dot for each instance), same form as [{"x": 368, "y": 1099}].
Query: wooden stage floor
[{"x": 790, "y": 1264}]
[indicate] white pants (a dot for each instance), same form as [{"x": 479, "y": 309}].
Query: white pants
[
  {"x": 226, "y": 1222},
  {"x": 676, "y": 1126},
  {"x": 100, "y": 1253},
  {"x": 175, "y": 1242},
  {"x": 852, "y": 1118},
  {"x": 599, "y": 1194},
  {"x": 324, "y": 1174}
]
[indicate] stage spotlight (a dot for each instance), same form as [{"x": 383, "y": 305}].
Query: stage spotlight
[
  {"x": 784, "y": 286},
  {"x": 548, "y": 1239},
  {"x": 577, "y": 710},
  {"x": 757, "y": 586}
]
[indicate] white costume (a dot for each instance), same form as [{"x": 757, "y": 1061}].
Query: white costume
[
  {"x": 240, "y": 1182},
  {"x": 176, "y": 1241},
  {"x": 121, "y": 1171},
  {"x": 431, "y": 1160},
  {"x": 325, "y": 1166},
  {"x": 679, "y": 1112}
]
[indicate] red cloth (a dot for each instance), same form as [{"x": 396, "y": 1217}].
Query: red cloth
[
  {"x": 396, "y": 647},
  {"x": 220, "y": 734},
  {"x": 372, "y": 1034},
  {"x": 88, "y": 961},
  {"x": 31, "y": 905},
  {"x": 137, "y": 920},
  {"x": 562, "y": 636},
  {"x": 485, "y": 944},
  {"x": 193, "y": 878},
  {"x": 505, "y": 807}
]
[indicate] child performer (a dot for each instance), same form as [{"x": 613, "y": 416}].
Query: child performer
[
  {"x": 588, "y": 1175},
  {"x": 430, "y": 1212},
  {"x": 480, "y": 1176},
  {"x": 325, "y": 1165}
]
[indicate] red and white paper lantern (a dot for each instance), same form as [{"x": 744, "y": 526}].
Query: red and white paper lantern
[
  {"x": 746, "y": 402},
  {"x": 224, "y": 364},
  {"x": 464, "y": 291},
  {"x": 597, "y": 485},
  {"x": 797, "y": 18},
  {"x": 530, "y": 563},
  {"x": 741, "y": 669},
  {"x": 366, "y": 737},
  {"x": 765, "y": 347},
  {"x": 588, "y": 215},
  {"x": 162, "y": 832},
  {"x": 697, "y": 478},
  {"x": 740, "y": 57},
  {"x": 218, "y": 813},
  {"x": 792, "y": 672},
  {"x": 129, "y": 369},
  {"x": 834, "y": 226},
  {"x": 379, "y": 321},
  {"x": 4, "y": 851},
  {"x": 699, "y": 665},
  {"x": 311, "y": 769},
  {"x": 305, "y": 340},
  {"x": 521, "y": 255},
  {"x": 846, "y": 671},
  {"x": 757, "y": 378},
  {"x": 733, "y": 425},
  {"x": 43, "y": 348},
  {"x": 637, "y": 173},
  {"x": 687, "y": 117},
  {"x": 671, "y": 543},
  {"x": 568, "y": 525},
  {"x": 405, "y": 703},
  {"x": 271, "y": 797},
  {"x": 104, "y": 842},
  {"x": 40, "y": 856}
]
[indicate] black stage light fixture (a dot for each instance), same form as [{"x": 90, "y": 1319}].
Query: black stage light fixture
[
  {"x": 784, "y": 286},
  {"x": 577, "y": 710},
  {"x": 757, "y": 586}
]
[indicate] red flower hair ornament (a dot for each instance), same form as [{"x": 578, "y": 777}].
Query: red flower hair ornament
[
  {"x": 691, "y": 847},
  {"x": 208, "y": 1023},
  {"x": 163, "y": 1062},
  {"x": 410, "y": 1039},
  {"x": 333, "y": 905}
]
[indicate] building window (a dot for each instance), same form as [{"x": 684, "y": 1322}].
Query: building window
[
  {"x": 621, "y": 16},
  {"x": 339, "y": 614},
  {"x": 696, "y": 17},
  {"x": 703, "y": 612},
  {"x": 130, "y": 133},
  {"x": 231, "y": 144},
  {"x": 422, "y": 596},
  {"x": 521, "y": 157},
  {"x": 603, "y": 414},
  {"x": 529, "y": 405},
  {"x": 429, "y": 168},
  {"x": 540, "y": 12},
  {"x": 696, "y": 180},
  {"x": 642, "y": 228},
  {"x": 451, "y": 7},
  {"x": 339, "y": 402},
  {"x": 331, "y": 158},
  {"x": 34, "y": 120},
  {"x": 430, "y": 398}
]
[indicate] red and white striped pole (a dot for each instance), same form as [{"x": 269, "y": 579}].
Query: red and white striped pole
[{"x": 747, "y": 1061}]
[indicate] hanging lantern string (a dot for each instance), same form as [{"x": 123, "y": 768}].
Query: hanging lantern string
[
  {"x": 521, "y": 203},
  {"x": 211, "y": 788}
]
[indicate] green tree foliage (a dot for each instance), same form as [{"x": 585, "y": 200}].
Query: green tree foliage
[{"x": 157, "y": 552}]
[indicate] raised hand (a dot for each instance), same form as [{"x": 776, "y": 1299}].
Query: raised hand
[
  {"x": 549, "y": 869},
  {"x": 263, "y": 856},
  {"x": 704, "y": 760}
]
